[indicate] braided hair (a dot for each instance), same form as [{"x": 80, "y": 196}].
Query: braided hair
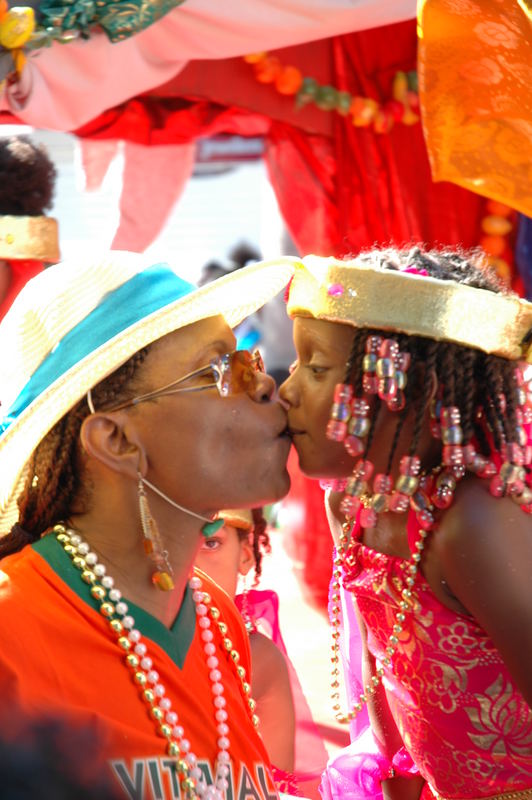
[
  {"x": 54, "y": 486},
  {"x": 482, "y": 386},
  {"x": 260, "y": 540}
]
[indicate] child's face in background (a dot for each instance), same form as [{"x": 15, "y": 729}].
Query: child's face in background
[{"x": 224, "y": 556}]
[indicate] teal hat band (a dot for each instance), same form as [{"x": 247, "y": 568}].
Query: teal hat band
[{"x": 144, "y": 293}]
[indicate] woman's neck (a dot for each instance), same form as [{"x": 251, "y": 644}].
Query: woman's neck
[{"x": 119, "y": 548}]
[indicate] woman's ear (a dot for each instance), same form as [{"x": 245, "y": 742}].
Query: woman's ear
[
  {"x": 106, "y": 438},
  {"x": 247, "y": 559}
]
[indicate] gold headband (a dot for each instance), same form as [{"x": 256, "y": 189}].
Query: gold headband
[
  {"x": 29, "y": 237},
  {"x": 366, "y": 297},
  {"x": 237, "y": 517}
]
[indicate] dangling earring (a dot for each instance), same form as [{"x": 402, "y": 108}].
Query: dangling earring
[{"x": 153, "y": 545}]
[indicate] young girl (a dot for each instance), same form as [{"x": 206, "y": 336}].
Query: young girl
[
  {"x": 425, "y": 359},
  {"x": 286, "y": 726}
]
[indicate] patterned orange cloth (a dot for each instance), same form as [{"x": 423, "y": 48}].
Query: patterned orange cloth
[{"x": 475, "y": 66}]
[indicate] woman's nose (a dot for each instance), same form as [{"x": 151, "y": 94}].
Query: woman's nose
[{"x": 264, "y": 387}]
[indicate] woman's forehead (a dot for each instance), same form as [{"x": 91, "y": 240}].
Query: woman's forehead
[{"x": 200, "y": 340}]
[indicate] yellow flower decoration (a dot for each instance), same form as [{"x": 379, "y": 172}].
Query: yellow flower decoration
[{"x": 16, "y": 27}]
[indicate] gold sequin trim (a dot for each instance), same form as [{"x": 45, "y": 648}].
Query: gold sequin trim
[{"x": 524, "y": 794}]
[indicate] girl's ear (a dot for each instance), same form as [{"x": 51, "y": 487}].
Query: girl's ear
[{"x": 247, "y": 559}]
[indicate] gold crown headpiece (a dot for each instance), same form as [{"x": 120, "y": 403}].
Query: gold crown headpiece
[
  {"x": 237, "y": 517},
  {"x": 34, "y": 238},
  {"x": 412, "y": 303}
]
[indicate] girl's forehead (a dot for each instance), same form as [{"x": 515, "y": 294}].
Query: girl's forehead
[{"x": 322, "y": 333}]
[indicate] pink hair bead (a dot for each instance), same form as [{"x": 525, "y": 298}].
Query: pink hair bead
[
  {"x": 354, "y": 445},
  {"x": 398, "y": 402},
  {"x": 458, "y": 470},
  {"x": 373, "y": 343},
  {"x": 388, "y": 349},
  {"x": 410, "y": 465},
  {"x": 349, "y": 506},
  {"x": 370, "y": 383},
  {"x": 425, "y": 520},
  {"x": 497, "y": 486},
  {"x": 485, "y": 468},
  {"x": 364, "y": 470},
  {"x": 382, "y": 483},
  {"x": 360, "y": 407},
  {"x": 469, "y": 454},
  {"x": 403, "y": 361},
  {"x": 443, "y": 497},
  {"x": 399, "y": 502},
  {"x": 452, "y": 454},
  {"x": 368, "y": 518},
  {"x": 343, "y": 393},
  {"x": 336, "y": 430}
]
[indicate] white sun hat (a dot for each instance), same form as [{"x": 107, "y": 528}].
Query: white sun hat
[{"x": 78, "y": 321}]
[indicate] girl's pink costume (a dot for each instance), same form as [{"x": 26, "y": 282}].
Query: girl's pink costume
[
  {"x": 465, "y": 726},
  {"x": 262, "y": 608}
]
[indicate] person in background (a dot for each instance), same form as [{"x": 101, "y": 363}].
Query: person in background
[
  {"x": 412, "y": 395},
  {"x": 291, "y": 737},
  {"x": 272, "y": 323},
  {"x": 28, "y": 239},
  {"x": 51, "y": 759}
]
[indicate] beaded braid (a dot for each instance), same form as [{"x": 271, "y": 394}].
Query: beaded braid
[
  {"x": 481, "y": 387},
  {"x": 428, "y": 362},
  {"x": 260, "y": 540},
  {"x": 54, "y": 486}
]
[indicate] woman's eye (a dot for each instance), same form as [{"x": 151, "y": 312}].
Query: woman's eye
[{"x": 293, "y": 366}]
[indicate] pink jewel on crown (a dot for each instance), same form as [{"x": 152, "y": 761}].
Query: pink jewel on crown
[{"x": 335, "y": 290}]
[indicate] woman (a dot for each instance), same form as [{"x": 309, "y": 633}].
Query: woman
[
  {"x": 429, "y": 442},
  {"x": 130, "y": 420}
]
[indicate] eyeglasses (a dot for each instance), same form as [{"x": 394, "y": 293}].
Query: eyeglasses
[{"x": 231, "y": 373}]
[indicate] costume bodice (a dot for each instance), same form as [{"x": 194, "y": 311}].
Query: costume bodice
[{"x": 462, "y": 719}]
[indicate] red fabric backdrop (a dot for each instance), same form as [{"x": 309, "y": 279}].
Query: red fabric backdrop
[{"x": 340, "y": 188}]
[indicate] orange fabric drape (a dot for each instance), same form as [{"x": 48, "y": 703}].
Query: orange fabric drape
[{"x": 475, "y": 68}]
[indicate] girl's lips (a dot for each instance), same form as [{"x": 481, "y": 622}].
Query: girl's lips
[{"x": 295, "y": 432}]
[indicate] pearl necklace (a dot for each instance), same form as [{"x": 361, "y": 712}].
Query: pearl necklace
[
  {"x": 152, "y": 691},
  {"x": 345, "y": 559}
]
